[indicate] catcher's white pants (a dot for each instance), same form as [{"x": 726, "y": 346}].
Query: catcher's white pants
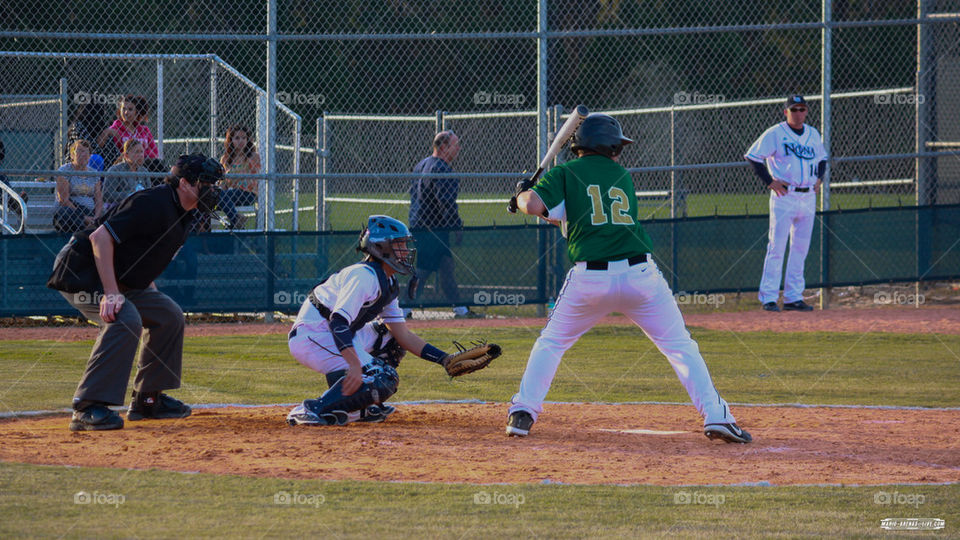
[
  {"x": 640, "y": 293},
  {"x": 313, "y": 346},
  {"x": 791, "y": 216}
]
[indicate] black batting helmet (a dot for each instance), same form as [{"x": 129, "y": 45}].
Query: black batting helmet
[{"x": 600, "y": 133}]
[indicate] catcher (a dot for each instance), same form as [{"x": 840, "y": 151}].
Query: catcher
[{"x": 352, "y": 330}]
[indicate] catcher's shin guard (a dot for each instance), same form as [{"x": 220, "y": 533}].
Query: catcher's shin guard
[{"x": 379, "y": 383}]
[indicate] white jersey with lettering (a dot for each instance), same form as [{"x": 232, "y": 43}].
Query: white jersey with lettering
[{"x": 789, "y": 157}]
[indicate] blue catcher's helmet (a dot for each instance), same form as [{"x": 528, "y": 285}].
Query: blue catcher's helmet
[
  {"x": 600, "y": 133},
  {"x": 389, "y": 240}
]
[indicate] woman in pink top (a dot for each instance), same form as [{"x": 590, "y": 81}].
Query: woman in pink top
[{"x": 132, "y": 115}]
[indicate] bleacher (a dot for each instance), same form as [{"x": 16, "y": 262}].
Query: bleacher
[{"x": 41, "y": 203}]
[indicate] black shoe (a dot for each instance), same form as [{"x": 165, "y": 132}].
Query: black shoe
[
  {"x": 799, "y": 305},
  {"x": 376, "y": 413},
  {"x": 157, "y": 406},
  {"x": 730, "y": 433},
  {"x": 95, "y": 417},
  {"x": 519, "y": 424},
  {"x": 771, "y": 306}
]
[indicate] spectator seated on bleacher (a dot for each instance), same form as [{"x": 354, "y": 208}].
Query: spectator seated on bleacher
[
  {"x": 133, "y": 112},
  {"x": 116, "y": 188},
  {"x": 79, "y": 198},
  {"x": 239, "y": 157}
]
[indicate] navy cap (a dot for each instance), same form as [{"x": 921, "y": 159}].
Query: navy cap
[{"x": 795, "y": 100}]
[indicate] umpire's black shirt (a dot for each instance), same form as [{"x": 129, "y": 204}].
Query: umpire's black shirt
[{"x": 148, "y": 229}]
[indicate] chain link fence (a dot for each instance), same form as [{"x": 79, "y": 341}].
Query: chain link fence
[{"x": 341, "y": 99}]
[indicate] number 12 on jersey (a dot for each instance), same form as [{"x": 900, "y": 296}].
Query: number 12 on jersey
[{"x": 619, "y": 206}]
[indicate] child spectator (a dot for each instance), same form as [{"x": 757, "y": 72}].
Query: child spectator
[
  {"x": 79, "y": 198},
  {"x": 116, "y": 188},
  {"x": 132, "y": 115},
  {"x": 239, "y": 157}
]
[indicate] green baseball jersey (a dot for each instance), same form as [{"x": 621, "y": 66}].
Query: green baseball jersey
[{"x": 599, "y": 201}]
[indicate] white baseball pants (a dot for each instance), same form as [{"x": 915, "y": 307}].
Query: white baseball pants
[
  {"x": 791, "y": 216},
  {"x": 641, "y": 293},
  {"x": 313, "y": 346}
]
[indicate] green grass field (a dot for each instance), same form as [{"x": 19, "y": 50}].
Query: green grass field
[{"x": 610, "y": 364}]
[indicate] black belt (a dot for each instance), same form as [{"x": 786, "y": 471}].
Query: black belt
[
  {"x": 801, "y": 189},
  {"x": 324, "y": 310},
  {"x": 602, "y": 265}
]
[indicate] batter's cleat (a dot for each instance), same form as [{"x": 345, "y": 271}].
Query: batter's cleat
[
  {"x": 157, "y": 406},
  {"x": 799, "y": 305},
  {"x": 519, "y": 424},
  {"x": 771, "y": 306},
  {"x": 730, "y": 433},
  {"x": 95, "y": 417},
  {"x": 376, "y": 413}
]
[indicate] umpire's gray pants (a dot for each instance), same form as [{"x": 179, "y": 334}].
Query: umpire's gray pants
[{"x": 149, "y": 312}]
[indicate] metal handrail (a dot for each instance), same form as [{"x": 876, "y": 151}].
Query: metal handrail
[{"x": 9, "y": 192}]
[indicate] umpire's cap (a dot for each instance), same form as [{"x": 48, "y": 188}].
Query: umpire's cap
[
  {"x": 196, "y": 167},
  {"x": 600, "y": 133}
]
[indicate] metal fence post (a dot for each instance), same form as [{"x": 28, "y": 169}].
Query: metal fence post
[
  {"x": 159, "y": 134},
  {"x": 926, "y": 119},
  {"x": 213, "y": 109},
  {"x": 674, "y": 233},
  {"x": 325, "y": 141},
  {"x": 826, "y": 87},
  {"x": 271, "y": 113},
  {"x": 64, "y": 121},
  {"x": 296, "y": 170}
]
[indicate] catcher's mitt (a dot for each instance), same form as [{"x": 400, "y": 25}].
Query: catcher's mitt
[{"x": 470, "y": 360}]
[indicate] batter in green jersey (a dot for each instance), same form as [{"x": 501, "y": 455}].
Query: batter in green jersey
[
  {"x": 594, "y": 198},
  {"x": 601, "y": 208}
]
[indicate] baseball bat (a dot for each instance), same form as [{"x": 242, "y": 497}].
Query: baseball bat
[{"x": 563, "y": 135}]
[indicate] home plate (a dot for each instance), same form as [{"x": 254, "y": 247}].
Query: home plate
[{"x": 645, "y": 431}]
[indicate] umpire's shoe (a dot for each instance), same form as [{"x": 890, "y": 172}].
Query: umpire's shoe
[
  {"x": 730, "y": 433},
  {"x": 157, "y": 406},
  {"x": 519, "y": 424},
  {"x": 94, "y": 417}
]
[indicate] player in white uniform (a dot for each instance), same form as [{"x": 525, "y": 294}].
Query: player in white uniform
[
  {"x": 790, "y": 159},
  {"x": 351, "y": 329}
]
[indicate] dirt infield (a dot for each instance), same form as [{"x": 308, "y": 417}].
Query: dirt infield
[
  {"x": 572, "y": 443},
  {"x": 899, "y": 320}
]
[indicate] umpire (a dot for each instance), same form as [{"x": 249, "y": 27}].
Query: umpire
[{"x": 108, "y": 275}]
